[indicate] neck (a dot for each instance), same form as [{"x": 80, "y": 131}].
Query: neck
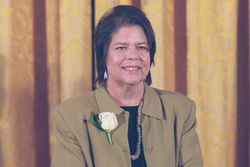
[{"x": 126, "y": 95}]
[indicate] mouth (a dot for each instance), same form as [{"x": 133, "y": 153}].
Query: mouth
[{"x": 131, "y": 68}]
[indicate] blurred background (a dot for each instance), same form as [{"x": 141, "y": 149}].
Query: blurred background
[{"x": 46, "y": 56}]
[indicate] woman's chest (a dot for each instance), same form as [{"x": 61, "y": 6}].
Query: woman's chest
[{"x": 159, "y": 144}]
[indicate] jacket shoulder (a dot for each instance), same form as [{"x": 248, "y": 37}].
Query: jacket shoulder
[
  {"x": 78, "y": 102},
  {"x": 176, "y": 103},
  {"x": 173, "y": 96},
  {"x": 77, "y": 107}
]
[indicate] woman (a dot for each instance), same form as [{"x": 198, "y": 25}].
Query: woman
[{"x": 125, "y": 122}]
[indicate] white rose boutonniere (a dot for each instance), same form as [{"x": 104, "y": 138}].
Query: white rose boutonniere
[{"x": 105, "y": 121}]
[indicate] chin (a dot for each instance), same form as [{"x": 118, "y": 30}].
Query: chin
[{"x": 133, "y": 82}]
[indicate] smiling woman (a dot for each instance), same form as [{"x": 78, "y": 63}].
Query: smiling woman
[{"x": 152, "y": 127}]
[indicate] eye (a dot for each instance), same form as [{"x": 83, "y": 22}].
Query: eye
[
  {"x": 121, "y": 48},
  {"x": 144, "y": 48}
]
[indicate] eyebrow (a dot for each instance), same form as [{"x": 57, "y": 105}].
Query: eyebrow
[
  {"x": 123, "y": 43},
  {"x": 120, "y": 43},
  {"x": 142, "y": 43}
]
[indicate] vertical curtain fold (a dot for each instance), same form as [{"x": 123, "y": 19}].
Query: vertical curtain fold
[
  {"x": 243, "y": 75},
  {"x": 180, "y": 45},
  {"x": 212, "y": 76},
  {"x": 41, "y": 108},
  {"x": 168, "y": 20},
  {"x": 75, "y": 47},
  {"x": 18, "y": 144},
  {"x": 69, "y": 61},
  {"x": 53, "y": 62},
  {"x": 249, "y": 80}
]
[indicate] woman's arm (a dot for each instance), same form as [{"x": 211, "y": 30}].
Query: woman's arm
[
  {"x": 190, "y": 153},
  {"x": 67, "y": 150}
]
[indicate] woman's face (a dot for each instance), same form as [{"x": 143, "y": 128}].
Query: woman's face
[{"x": 128, "y": 57}]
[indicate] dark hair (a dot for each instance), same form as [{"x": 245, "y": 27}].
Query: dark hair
[{"x": 109, "y": 23}]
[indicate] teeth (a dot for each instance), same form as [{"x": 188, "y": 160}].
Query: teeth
[{"x": 131, "y": 68}]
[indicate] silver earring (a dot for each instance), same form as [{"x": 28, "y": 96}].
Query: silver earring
[{"x": 105, "y": 75}]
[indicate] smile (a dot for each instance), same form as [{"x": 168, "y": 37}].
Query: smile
[{"x": 131, "y": 68}]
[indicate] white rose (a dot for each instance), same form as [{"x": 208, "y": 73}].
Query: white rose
[{"x": 108, "y": 121}]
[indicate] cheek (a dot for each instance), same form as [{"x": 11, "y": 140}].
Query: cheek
[
  {"x": 113, "y": 62},
  {"x": 110, "y": 60}
]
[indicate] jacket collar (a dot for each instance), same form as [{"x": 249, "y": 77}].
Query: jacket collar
[{"x": 152, "y": 103}]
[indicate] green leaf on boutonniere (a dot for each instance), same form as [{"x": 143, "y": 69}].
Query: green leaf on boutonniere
[{"x": 95, "y": 120}]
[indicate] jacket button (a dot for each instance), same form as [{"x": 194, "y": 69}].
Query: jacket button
[{"x": 148, "y": 149}]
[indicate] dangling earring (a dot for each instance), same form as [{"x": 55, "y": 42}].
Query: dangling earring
[{"x": 105, "y": 75}]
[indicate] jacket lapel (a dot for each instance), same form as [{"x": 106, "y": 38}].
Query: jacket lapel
[
  {"x": 120, "y": 146},
  {"x": 152, "y": 104}
]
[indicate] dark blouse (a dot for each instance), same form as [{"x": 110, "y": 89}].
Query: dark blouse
[{"x": 132, "y": 136}]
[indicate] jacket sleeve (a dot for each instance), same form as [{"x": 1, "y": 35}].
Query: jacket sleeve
[
  {"x": 67, "y": 150},
  {"x": 190, "y": 153}
]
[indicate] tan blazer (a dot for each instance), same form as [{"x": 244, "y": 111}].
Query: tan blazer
[{"x": 168, "y": 132}]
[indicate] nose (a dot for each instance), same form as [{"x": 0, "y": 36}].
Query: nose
[{"x": 133, "y": 54}]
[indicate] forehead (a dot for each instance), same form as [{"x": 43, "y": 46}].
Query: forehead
[{"x": 129, "y": 32}]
